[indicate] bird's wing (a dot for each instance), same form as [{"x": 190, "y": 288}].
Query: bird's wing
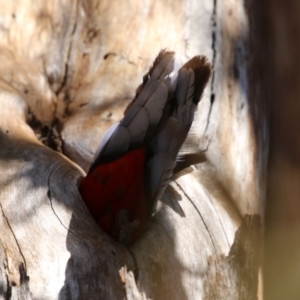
[
  {"x": 174, "y": 127},
  {"x": 158, "y": 119},
  {"x": 143, "y": 114}
]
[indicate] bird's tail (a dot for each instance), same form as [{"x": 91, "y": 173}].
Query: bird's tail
[{"x": 158, "y": 119}]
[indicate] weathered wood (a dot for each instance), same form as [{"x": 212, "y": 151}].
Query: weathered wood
[{"x": 69, "y": 70}]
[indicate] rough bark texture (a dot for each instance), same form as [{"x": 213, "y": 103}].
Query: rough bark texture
[{"x": 68, "y": 69}]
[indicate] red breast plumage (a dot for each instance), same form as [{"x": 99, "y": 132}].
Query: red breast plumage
[{"x": 135, "y": 160}]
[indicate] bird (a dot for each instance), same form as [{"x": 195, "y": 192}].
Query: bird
[{"x": 135, "y": 160}]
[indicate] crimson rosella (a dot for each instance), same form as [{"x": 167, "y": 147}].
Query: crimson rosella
[{"x": 135, "y": 160}]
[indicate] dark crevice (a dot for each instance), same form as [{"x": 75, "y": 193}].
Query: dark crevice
[
  {"x": 15, "y": 238},
  {"x": 65, "y": 76},
  {"x": 8, "y": 292},
  {"x": 204, "y": 151},
  {"x": 49, "y": 135},
  {"x": 6, "y": 289},
  {"x": 8, "y": 286},
  {"x": 24, "y": 279},
  {"x": 136, "y": 270},
  {"x": 214, "y": 49},
  {"x": 107, "y": 55}
]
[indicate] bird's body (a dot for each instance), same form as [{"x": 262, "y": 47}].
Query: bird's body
[
  {"x": 121, "y": 186},
  {"x": 134, "y": 162}
]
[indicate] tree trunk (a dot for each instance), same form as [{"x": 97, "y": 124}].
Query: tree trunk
[
  {"x": 68, "y": 70},
  {"x": 279, "y": 45}
]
